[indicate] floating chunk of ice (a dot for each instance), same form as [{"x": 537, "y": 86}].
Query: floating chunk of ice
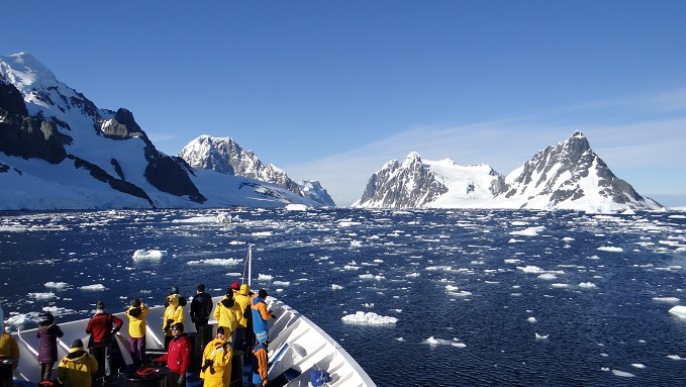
[
  {"x": 455, "y": 342},
  {"x": 42, "y": 296},
  {"x": 369, "y": 318},
  {"x": 296, "y": 207},
  {"x": 93, "y": 288},
  {"x": 56, "y": 285},
  {"x": 679, "y": 311},
  {"x": 216, "y": 262},
  {"x": 611, "y": 249},
  {"x": 531, "y": 320},
  {"x": 152, "y": 255},
  {"x": 671, "y": 300},
  {"x": 623, "y": 374},
  {"x": 587, "y": 285}
]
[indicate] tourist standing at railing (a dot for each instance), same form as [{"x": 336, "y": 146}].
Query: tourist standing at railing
[
  {"x": 102, "y": 327},
  {"x": 240, "y": 341},
  {"x": 201, "y": 311},
  {"x": 227, "y": 313},
  {"x": 8, "y": 346},
  {"x": 48, "y": 332},
  {"x": 260, "y": 317},
  {"x": 138, "y": 326},
  {"x": 173, "y": 313}
]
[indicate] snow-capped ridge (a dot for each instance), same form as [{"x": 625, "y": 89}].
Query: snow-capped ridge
[
  {"x": 58, "y": 150},
  {"x": 567, "y": 176}
]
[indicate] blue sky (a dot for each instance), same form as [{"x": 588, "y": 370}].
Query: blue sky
[{"x": 332, "y": 90}]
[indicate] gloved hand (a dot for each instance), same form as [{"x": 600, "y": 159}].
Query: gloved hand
[
  {"x": 181, "y": 380},
  {"x": 208, "y": 363},
  {"x": 273, "y": 316},
  {"x": 168, "y": 324}
]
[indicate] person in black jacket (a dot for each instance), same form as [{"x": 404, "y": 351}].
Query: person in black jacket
[{"x": 201, "y": 310}]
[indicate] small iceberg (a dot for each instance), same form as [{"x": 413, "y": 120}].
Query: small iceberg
[
  {"x": 369, "y": 318},
  {"x": 149, "y": 255},
  {"x": 296, "y": 207},
  {"x": 679, "y": 311}
]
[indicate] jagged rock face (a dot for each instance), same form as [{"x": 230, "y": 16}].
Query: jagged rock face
[
  {"x": 406, "y": 185},
  {"x": 24, "y": 136},
  {"x": 224, "y": 155},
  {"x": 571, "y": 173},
  {"x": 123, "y": 126},
  {"x": 313, "y": 190},
  {"x": 40, "y": 117}
]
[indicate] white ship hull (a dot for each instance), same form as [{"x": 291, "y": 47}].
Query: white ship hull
[{"x": 296, "y": 346}]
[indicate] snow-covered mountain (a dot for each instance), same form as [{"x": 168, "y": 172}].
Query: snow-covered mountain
[
  {"x": 60, "y": 151},
  {"x": 570, "y": 176},
  {"x": 224, "y": 155},
  {"x": 431, "y": 184},
  {"x": 567, "y": 176}
]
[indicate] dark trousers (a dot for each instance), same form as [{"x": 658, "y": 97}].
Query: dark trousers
[
  {"x": 46, "y": 370},
  {"x": 104, "y": 357},
  {"x": 173, "y": 380}
]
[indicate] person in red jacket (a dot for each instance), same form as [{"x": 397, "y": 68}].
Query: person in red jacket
[
  {"x": 178, "y": 356},
  {"x": 102, "y": 327}
]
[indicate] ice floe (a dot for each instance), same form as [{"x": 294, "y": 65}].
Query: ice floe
[
  {"x": 216, "y": 262},
  {"x": 455, "y": 342},
  {"x": 670, "y": 300},
  {"x": 369, "y": 318},
  {"x": 42, "y": 296},
  {"x": 587, "y": 285},
  {"x": 149, "y": 255},
  {"x": 679, "y": 311},
  {"x": 611, "y": 249},
  {"x": 623, "y": 374},
  {"x": 56, "y": 285},
  {"x": 93, "y": 288}
]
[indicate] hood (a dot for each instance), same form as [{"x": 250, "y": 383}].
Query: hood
[
  {"x": 245, "y": 289},
  {"x": 173, "y": 300},
  {"x": 227, "y": 302},
  {"x": 134, "y": 311},
  {"x": 75, "y": 354}
]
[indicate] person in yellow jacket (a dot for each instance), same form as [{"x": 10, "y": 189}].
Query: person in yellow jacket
[
  {"x": 174, "y": 313},
  {"x": 241, "y": 342},
  {"x": 78, "y": 367},
  {"x": 227, "y": 313},
  {"x": 138, "y": 326},
  {"x": 8, "y": 346},
  {"x": 216, "y": 362}
]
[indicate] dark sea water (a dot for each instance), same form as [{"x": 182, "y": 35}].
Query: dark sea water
[{"x": 472, "y": 290}]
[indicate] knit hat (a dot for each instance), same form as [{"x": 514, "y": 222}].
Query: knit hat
[
  {"x": 235, "y": 286},
  {"x": 201, "y": 288},
  {"x": 220, "y": 330},
  {"x": 135, "y": 303},
  {"x": 77, "y": 344},
  {"x": 178, "y": 326},
  {"x": 262, "y": 293},
  {"x": 175, "y": 290},
  {"x": 100, "y": 305}
]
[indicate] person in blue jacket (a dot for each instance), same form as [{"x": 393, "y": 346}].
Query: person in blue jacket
[{"x": 260, "y": 317}]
